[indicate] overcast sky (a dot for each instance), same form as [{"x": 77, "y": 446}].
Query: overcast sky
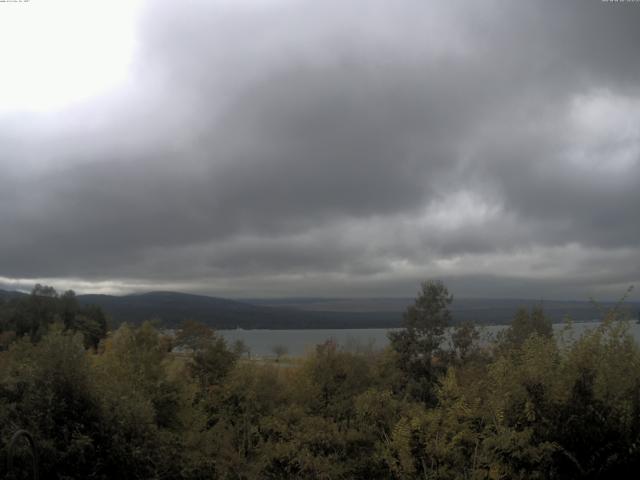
[{"x": 251, "y": 148}]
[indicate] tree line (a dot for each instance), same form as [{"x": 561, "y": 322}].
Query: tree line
[{"x": 436, "y": 404}]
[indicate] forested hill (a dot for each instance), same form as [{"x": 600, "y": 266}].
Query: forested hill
[
  {"x": 171, "y": 308},
  {"x": 484, "y": 311},
  {"x": 5, "y": 294}
]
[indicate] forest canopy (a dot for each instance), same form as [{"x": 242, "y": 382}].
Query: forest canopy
[{"x": 136, "y": 403}]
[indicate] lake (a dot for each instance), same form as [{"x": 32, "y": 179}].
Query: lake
[{"x": 299, "y": 342}]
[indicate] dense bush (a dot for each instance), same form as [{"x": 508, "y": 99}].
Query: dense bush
[{"x": 528, "y": 405}]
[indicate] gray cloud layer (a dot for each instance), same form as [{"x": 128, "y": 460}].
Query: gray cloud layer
[{"x": 323, "y": 148}]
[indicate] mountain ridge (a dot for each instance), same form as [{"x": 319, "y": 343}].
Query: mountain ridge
[{"x": 171, "y": 308}]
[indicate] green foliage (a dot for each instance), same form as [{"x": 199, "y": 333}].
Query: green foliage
[
  {"x": 194, "y": 335},
  {"x": 210, "y": 357},
  {"x": 333, "y": 378},
  {"x": 418, "y": 344},
  {"x": 145, "y": 401},
  {"x": 529, "y": 406},
  {"x": 213, "y": 362},
  {"x": 524, "y": 325},
  {"x": 464, "y": 340},
  {"x": 47, "y": 389},
  {"x": 32, "y": 316}
]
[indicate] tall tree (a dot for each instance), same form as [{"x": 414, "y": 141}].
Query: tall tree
[
  {"x": 524, "y": 325},
  {"x": 417, "y": 345}
]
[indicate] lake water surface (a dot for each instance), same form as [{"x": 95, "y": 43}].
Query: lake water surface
[{"x": 299, "y": 342}]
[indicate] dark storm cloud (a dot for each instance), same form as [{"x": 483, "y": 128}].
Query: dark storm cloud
[{"x": 304, "y": 147}]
